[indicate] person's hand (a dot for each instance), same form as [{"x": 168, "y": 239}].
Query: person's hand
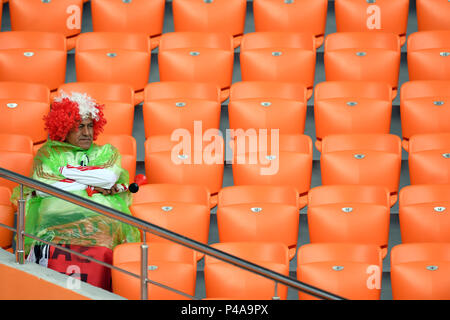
[
  {"x": 115, "y": 189},
  {"x": 105, "y": 192}
]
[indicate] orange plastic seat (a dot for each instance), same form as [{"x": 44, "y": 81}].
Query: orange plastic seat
[
  {"x": 432, "y": 15},
  {"x": 182, "y": 89},
  {"x": 284, "y": 160},
  {"x": 292, "y": 16},
  {"x": 279, "y": 56},
  {"x": 16, "y": 154},
  {"x": 428, "y": 264},
  {"x": 165, "y": 114},
  {"x": 168, "y": 264},
  {"x": 351, "y": 271},
  {"x": 349, "y": 214},
  {"x": 222, "y": 16},
  {"x": 424, "y": 108},
  {"x": 114, "y": 58},
  {"x": 345, "y": 107},
  {"x": 6, "y": 217},
  {"x": 197, "y": 57},
  {"x": 137, "y": 16},
  {"x": 362, "y": 159},
  {"x": 23, "y": 106},
  {"x": 372, "y": 16},
  {"x": 117, "y": 101},
  {"x": 429, "y": 55},
  {"x": 429, "y": 159},
  {"x": 423, "y": 213},
  {"x": 62, "y": 16},
  {"x": 126, "y": 145},
  {"x": 268, "y": 105},
  {"x": 36, "y": 57},
  {"x": 174, "y": 207},
  {"x": 185, "y": 161},
  {"x": 259, "y": 214},
  {"x": 223, "y": 280},
  {"x": 363, "y": 56}
]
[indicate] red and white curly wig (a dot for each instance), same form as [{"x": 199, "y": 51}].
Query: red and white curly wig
[{"x": 67, "y": 111}]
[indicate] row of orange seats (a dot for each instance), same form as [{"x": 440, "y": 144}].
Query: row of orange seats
[
  {"x": 356, "y": 160},
  {"x": 226, "y": 16},
  {"x": 336, "y": 213},
  {"x": 340, "y": 107},
  {"x": 177, "y": 139},
  {"x": 348, "y": 227},
  {"x": 349, "y": 270},
  {"x": 208, "y": 57}
]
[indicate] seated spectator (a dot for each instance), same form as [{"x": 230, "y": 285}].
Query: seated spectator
[{"x": 70, "y": 161}]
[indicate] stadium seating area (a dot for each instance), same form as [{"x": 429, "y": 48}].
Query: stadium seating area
[{"x": 311, "y": 137}]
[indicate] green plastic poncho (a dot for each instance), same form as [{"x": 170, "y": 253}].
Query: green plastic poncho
[{"x": 62, "y": 222}]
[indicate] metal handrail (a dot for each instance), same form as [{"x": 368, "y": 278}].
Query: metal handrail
[{"x": 154, "y": 229}]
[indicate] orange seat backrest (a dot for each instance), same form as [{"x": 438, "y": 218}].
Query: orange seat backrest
[
  {"x": 169, "y": 161},
  {"x": 131, "y": 252},
  {"x": 6, "y": 217},
  {"x": 180, "y": 89},
  {"x": 278, "y": 56},
  {"x": 363, "y": 56},
  {"x": 229, "y": 196},
  {"x": 428, "y": 264},
  {"x": 363, "y": 16},
  {"x": 377, "y": 142},
  {"x": 259, "y": 213},
  {"x": 126, "y": 146},
  {"x": 343, "y": 269},
  {"x": 168, "y": 264},
  {"x": 279, "y": 160},
  {"x": 432, "y": 15},
  {"x": 225, "y": 280},
  {"x": 423, "y": 213},
  {"x": 222, "y": 16},
  {"x": 364, "y": 89},
  {"x": 429, "y": 156},
  {"x": 342, "y": 107},
  {"x": 362, "y": 159},
  {"x": 174, "y": 207},
  {"x": 259, "y": 105},
  {"x": 32, "y": 56},
  {"x": 66, "y": 16},
  {"x": 291, "y": 16},
  {"x": 182, "y": 193},
  {"x": 211, "y": 40},
  {"x": 363, "y": 194},
  {"x": 15, "y": 143},
  {"x": 176, "y": 217},
  {"x": 117, "y": 99},
  {"x": 137, "y": 16},
  {"x": 16, "y": 154},
  {"x": 113, "y": 40},
  {"x": 428, "y": 56},
  {"x": 429, "y": 142},
  {"x": 352, "y": 40},
  {"x": 169, "y": 116},
  {"x": 196, "y": 56},
  {"x": 319, "y": 252},
  {"x": 424, "y": 108},
  {"x": 349, "y": 213},
  {"x": 23, "y": 106},
  {"x": 268, "y": 89},
  {"x": 126, "y": 55}
]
